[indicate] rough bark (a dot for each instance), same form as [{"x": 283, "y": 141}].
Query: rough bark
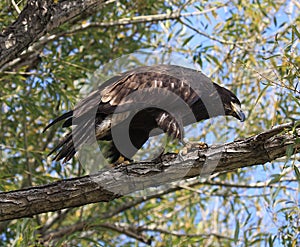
[
  {"x": 38, "y": 18},
  {"x": 112, "y": 183}
]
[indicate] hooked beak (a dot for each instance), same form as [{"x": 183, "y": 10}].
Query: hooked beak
[{"x": 237, "y": 110}]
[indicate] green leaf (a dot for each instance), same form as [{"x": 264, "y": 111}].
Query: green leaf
[
  {"x": 213, "y": 58},
  {"x": 237, "y": 231},
  {"x": 275, "y": 21},
  {"x": 288, "y": 48},
  {"x": 276, "y": 178},
  {"x": 258, "y": 98},
  {"x": 297, "y": 172},
  {"x": 187, "y": 40},
  {"x": 271, "y": 240},
  {"x": 262, "y": 9},
  {"x": 267, "y": 58},
  {"x": 296, "y": 31},
  {"x": 289, "y": 151}
]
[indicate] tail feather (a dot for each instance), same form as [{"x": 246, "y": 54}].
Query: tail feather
[
  {"x": 60, "y": 118},
  {"x": 67, "y": 152},
  {"x": 67, "y": 139},
  {"x": 81, "y": 134},
  {"x": 85, "y": 130},
  {"x": 68, "y": 122}
]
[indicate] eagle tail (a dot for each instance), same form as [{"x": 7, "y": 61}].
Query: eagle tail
[
  {"x": 81, "y": 134},
  {"x": 60, "y": 118},
  {"x": 68, "y": 150}
]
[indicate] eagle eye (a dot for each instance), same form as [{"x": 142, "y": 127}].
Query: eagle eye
[{"x": 235, "y": 100}]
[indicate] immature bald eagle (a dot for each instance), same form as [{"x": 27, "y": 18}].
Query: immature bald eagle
[{"x": 134, "y": 103}]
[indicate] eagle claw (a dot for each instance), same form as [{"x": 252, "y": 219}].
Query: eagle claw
[
  {"x": 122, "y": 161},
  {"x": 191, "y": 146}
]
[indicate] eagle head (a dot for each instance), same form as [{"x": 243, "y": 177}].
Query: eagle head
[{"x": 231, "y": 103}]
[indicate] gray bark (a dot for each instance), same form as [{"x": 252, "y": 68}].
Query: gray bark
[
  {"x": 108, "y": 184},
  {"x": 36, "y": 19}
]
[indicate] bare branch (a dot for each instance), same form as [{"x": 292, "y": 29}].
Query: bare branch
[
  {"x": 142, "y": 19},
  {"x": 80, "y": 226},
  {"x": 222, "y": 41},
  {"x": 127, "y": 230},
  {"x": 188, "y": 235},
  {"x": 252, "y": 185},
  {"x": 115, "y": 182},
  {"x": 140, "y": 200},
  {"x": 15, "y": 6}
]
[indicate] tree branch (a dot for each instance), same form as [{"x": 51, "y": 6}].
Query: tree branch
[
  {"x": 128, "y": 230},
  {"x": 180, "y": 234},
  {"x": 108, "y": 184},
  {"x": 142, "y": 19},
  {"x": 37, "y": 18}
]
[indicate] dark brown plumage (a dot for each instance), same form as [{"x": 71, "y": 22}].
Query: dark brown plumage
[{"x": 168, "y": 97}]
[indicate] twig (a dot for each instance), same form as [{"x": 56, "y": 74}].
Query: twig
[
  {"x": 269, "y": 80},
  {"x": 16, "y": 6},
  {"x": 222, "y": 41},
  {"x": 179, "y": 234},
  {"x": 128, "y": 230},
  {"x": 296, "y": 3},
  {"x": 120, "y": 228}
]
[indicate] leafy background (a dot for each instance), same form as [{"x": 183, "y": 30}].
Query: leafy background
[{"x": 251, "y": 47}]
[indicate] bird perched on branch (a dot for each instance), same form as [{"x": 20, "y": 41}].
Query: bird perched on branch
[{"x": 128, "y": 108}]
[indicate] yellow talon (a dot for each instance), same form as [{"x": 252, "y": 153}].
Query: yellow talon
[
  {"x": 121, "y": 160},
  {"x": 190, "y": 146}
]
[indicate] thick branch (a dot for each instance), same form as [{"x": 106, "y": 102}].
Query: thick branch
[
  {"x": 112, "y": 183},
  {"x": 36, "y": 19}
]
